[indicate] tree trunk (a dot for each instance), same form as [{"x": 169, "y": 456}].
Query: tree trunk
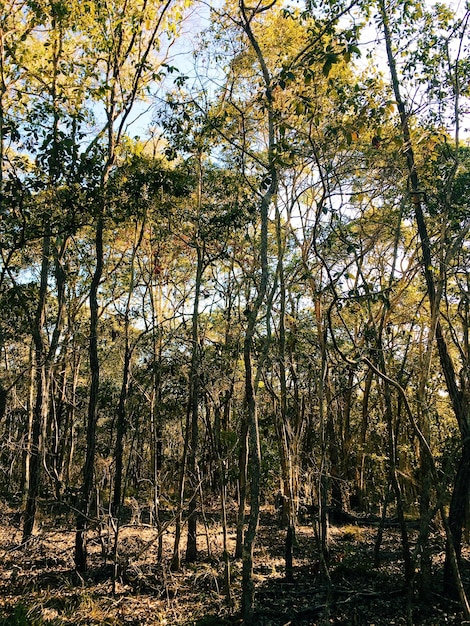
[
  {"x": 242, "y": 483},
  {"x": 176, "y": 558},
  {"x": 121, "y": 426},
  {"x": 70, "y": 420},
  {"x": 247, "y": 599},
  {"x": 88, "y": 468},
  {"x": 195, "y": 384},
  {"x": 456, "y": 395},
  {"x": 189, "y": 461},
  {"x": 121, "y": 421},
  {"x": 248, "y": 588},
  {"x": 283, "y": 427},
  {"x": 222, "y": 471},
  {"x": 457, "y": 513},
  {"x": 155, "y": 296},
  {"x": 26, "y": 461},
  {"x": 393, "y": 470},
  {"x": 41, "y": 398}
]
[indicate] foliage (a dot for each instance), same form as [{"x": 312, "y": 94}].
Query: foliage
[{"x": 264, "y": 224}]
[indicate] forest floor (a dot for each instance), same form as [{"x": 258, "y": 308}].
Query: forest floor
[{"x": 38, "y": 583}]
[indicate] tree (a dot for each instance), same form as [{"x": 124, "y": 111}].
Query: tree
[
  {"x": 127, "y": 48},
  {"x": 434, "y": 292}
]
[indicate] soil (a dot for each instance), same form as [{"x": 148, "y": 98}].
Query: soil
[{"x": 39, "y": 585}]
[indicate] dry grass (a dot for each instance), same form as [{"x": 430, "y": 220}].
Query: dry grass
[{"x": 38, "y": 584}]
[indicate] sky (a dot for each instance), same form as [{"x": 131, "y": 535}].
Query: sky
[{"x": 181, "y": 55}]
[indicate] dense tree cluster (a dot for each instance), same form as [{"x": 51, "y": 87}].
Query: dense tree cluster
[{"x": 266, "y": 292}]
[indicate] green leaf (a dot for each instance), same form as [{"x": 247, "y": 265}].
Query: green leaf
[{"x": 327, "y": 68}]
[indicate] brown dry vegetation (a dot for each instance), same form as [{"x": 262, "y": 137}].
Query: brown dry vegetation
[{"x": 38, "y": 583}]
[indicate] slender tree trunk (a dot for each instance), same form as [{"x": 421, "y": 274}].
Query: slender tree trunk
[
  {"x": 222, "y": 471},
  {"x": 25, "y": 478},
  {"x": 457, "y": 396},
  {"x": 226, "y": 555},
  {"x": 58, "y": 393},
  {"x": 393, "y": 469},
  {"x": 121, "y": 431},
  {"x": 93, "y": 354},
  {"x": 121, "y": 421},
  {"x": 195, "y": 385},
  {"x": 176, "y": 558},
  {"x": 242, "y": 484},
  {"x": 194, "y": 398},
  {"x": 323, "y": 478},
  {"x": 247, "y": 599},
  {"x": 283, "y": 426},
  {"x": 71, "y": 430},
  {"x": 121, "y": 425},
  {"x": 155, "y": 297},
  {"x": 41, "y": 398},
  {"x": 360, "y": 487},
  {"x": 457, "y": 512},
  {"x": 440, "y": 496},
  {"x": 425, "y": 470},
  {"x": 88, "y": 469},
  {"x": 157, "y": 459},
  {"x": 189, "y": 460},
  {"x": 59, "y": 428},
  {"x": 156, "y": 439},
  {"x": 44, "y": 355},
  {"x": 425, "y": 563},
  {"x": 248, "y": 588}
]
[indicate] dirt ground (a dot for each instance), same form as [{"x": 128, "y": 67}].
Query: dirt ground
[{"x": 38, "y": 583}]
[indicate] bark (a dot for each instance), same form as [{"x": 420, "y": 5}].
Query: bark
[
  {"x": 457, "y": 396},
  {"x": 70, "y": 420},
  {"x": 425, "y": 583},
  {"x": 223, "y": 479},
  {"x": 176, "y": 558},
  {"x": 59, "y": 429},
  {"x": 121, "y": 426},
  {"x": 121, "y": 421},
  {"x": 425, "y": 471},
  {"x": 457, "y": 513},
  {"x": 156, "y": 439},
  {"x": 88, "y": 468},
  {"x": 39, "y": 414},
  {"x": 156, "y": 460},
  {"x": 194, "y": 397},
  {"x": 26, "y": 461},
  {"x": 323, "y": 479},
  {"x": 360, "y": 486},
  {"x": 248, "y": 587},
  {"x": 252, "y": 313},
  {"x": 451, "y": 553},
  {"x": 58, "y": 406},
  {"x": 283, "y": 426},
  {"x": 44, "y": 355},
  {"x": 393, "y": 462},
  {"x": 242, "y": 484},
  {"x": 121, "y": 431},
  {"x": 189, "y": 460}
]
